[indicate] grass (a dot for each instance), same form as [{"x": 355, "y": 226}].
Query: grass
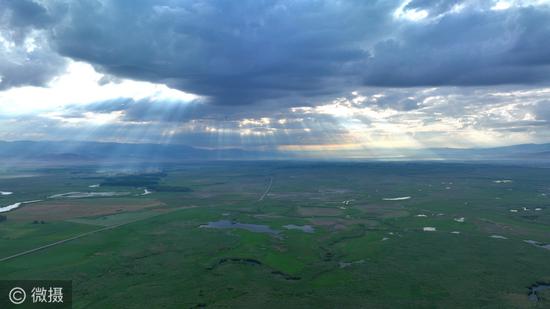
[{"x": 162, "y": 259}]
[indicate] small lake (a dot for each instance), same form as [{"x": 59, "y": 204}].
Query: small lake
[
  {"x": 303, "y": 228},
  {"x": 226, "y": 224},
  {"x": 503, "y": 181},
  {"x": 533, "y": 296},
  {"x": 401, "y": 198}
]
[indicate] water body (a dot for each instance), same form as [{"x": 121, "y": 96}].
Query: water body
[
  {"x": 226, "y": 224},
  {"x": 88, "y": 194},
  {"x": 146, "y": 192},
  {"x": 303, "y": 228},
  {"x": 533, "y": 296},
  {"x": 254, "y": 262},
  {"x": 5, "y": 193},
  {"x": 348, "y": 264},
  {"x": 93, "y": 186},
  {"x": 10, "y": 207},
  {"x": 538, "y": 244},
  {"x": 402, "y": 198},
  {"x": 16, "y": 205}
]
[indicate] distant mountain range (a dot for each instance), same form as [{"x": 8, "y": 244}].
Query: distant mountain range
[
  {"x": 97, "y": 151},
  {"x": 70, "y": 151},
  {"x": 514, "y": 152}
]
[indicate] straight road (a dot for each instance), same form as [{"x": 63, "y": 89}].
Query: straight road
[
  {"x": 82, "y": 235},
  {"x": 266, "y": 190}
]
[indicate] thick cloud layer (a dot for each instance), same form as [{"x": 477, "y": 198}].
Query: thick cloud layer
[
  {"x": 241, "y": 52},
  {"x": 232, "y": 52},
  {"x": 474, "y": 48}
]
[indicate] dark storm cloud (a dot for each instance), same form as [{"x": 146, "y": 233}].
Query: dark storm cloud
[
  {"x": 233, "y": 52},
  {"x": 284, "y": 52},
  {"x": 26, "y": 13},
  {"x": 471, "y": 48},
  {"x": 35, "y": 70},
  {"x": 248, "y": 51}
]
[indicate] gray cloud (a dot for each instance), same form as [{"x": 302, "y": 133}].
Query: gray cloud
[
  {"x": 542, "y": 111},
  {"x": 26, "y": 57},
  {"x": 286, "y": 51},
  {"x": 233, "y": 52},
  {"x": 147, "y": 109},
  {"x": 471, "y": 48},
  {"x": 249, "y": 51},
  {"x": 26, "y": 14},
  {"x": 398, "y": 100}
]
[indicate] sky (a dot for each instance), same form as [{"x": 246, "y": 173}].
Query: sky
[{"x": 299, "y": 76}]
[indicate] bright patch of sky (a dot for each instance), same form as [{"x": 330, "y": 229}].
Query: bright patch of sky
[{"x": 81, "y": 84}]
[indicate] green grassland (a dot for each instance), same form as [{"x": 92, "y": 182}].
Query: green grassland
[{"x": 364, "y": 253}]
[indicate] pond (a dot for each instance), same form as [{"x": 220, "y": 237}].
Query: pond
[
  {"x": 535, "y": 288},
  {"x": 538, "y": 244},
  {"x": 226, "y": 224},
  {"x": 401, "y": 198},
  {"x": 303, "y": 228}
]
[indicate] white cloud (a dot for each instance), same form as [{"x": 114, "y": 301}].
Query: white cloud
[{"x": 81, "y": 84}]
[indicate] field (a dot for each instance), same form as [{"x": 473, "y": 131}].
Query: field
[{"x": 367, "y": 246}]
